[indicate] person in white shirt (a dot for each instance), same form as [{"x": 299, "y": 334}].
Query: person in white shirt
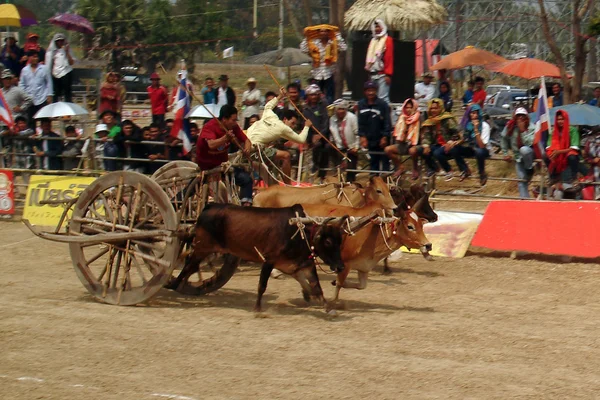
[
  {"x": 37, "y": 83},
  {"x": 59, "y": 62},
  {"x": 424, "y": 92},
  {"x": 343, "y": 126},
  {"x": 225, "y": 94},
  {"x": 250, "y": 101},
  {"x": 270, "y": 129}
]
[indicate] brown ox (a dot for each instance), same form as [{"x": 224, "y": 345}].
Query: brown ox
[
  {"x": 265, "y": 235},
  {"x": 336, "y": 194},
  {"x": 367, "y": 247}
]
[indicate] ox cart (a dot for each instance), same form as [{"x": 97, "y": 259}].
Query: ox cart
[{"x": 128, "y": 233}]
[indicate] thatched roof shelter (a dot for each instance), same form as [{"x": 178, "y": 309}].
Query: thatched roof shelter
[{"x": 397, "y": 14}]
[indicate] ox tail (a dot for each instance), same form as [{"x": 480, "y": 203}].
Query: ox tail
[{"x": 219, "y": 279}]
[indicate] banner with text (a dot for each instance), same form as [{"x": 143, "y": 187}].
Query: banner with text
[{"x": 7, "y": 192}]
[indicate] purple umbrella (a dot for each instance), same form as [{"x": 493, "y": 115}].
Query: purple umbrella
[{"x": 73, "y": 22}]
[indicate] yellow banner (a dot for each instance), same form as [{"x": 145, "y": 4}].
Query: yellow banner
[{"x": 51, "y": 187}]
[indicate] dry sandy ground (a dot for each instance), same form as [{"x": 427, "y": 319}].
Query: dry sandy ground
[{"x": 480, "y": 327}]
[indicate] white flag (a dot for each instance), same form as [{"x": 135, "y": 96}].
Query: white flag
[{"x": 228, "y": 52}]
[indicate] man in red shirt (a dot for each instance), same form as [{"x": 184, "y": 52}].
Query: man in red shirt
[
  {"x": 159, "y": 100},
  {"x": 212, "y": 148},
  {"x": 479, "y": 94}
]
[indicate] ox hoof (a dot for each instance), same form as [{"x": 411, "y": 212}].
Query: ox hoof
[
  {"x": 429, "y": 257},
  {"x": 306, "y": 296},
  {"x": 333, "y": 282},
  {"x": 387, "y": 271}
]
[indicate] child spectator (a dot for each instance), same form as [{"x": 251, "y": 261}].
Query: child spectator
[{"x": 468, "y": 96}]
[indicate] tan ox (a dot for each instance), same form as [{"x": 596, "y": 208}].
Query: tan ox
[
  {"x": 367, "y": 247},
  {"x": 334, "y": 194}
]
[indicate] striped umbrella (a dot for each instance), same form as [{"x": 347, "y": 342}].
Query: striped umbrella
[{"x": 17, "y": 16}]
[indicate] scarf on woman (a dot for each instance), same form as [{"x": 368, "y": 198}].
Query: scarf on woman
[
  {"x": 434, "y": 121},
  {"x": 561, "y": 140},
  {"x": 408, "y": 126},
  {"x": 469, "y": 127},
  {"x": 376, "y": 47}
]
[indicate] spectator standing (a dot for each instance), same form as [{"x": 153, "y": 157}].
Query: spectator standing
[
  {"x": 424, "y": 92},
  {"x": 71, "y": 149},
  {"x": 32, "y": 44},
  {"x": 11, "y": 55},
  {"x": 50, "y": 150},
  {"x": 468, "y": 96},
  {"x": 479, "y": 93},
  {"x": 213, "y": 147},
  {"x": 323, "y": 43},
  {"x": 208, "y": 91},
  {"x": 476, "y": 143},
  {"x": 250, "y": 101},
  {"x": 407, "y": 133},
  {"x": 59, "y": 61},
  {"x": 154, "y": 151},
  {"x": 440, "y": 135},
  {"x": 110, "y": 94},
  {"x": 517, "y": 136},
  {"x": 380, "y": 59},
  {"x": 37, "y": 83},
  {"x": 17, "y": 138},
  {"x": 596, "y": 100},
  {"x": 374, "y": 126},
  {"x": 225, "y": 94},
  {"x": 563, "y": 150},
  {"x": 343, "y": 126},
  {"x": 315, "y": 110},
  {"x": 128, "y": 144},
  {"x": 18, "y": 101},
  {"x": 159, "y": 99},
  {"x": 110, "y": 149}
]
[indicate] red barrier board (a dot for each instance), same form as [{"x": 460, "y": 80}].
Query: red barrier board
[
  {"x": 550, "y": 227},
  {"x": 7, "y": 193}
]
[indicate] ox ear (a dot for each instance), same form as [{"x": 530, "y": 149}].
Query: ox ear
[
  {"x": 418, "y": 207},
  {"x": 358, "y": 185}
]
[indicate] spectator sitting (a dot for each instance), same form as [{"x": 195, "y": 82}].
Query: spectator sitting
[
  {"x": 592, "y": 152},
  {"x": 407, "y": 134},
  {"x": 518, "y": 137},
  {"x": 439, "y": 135},
  {"x": 563, "y": 150},
  {"x": 446, "y": 95},
  {"x": 208, "y": 91},
  {"x": 477, "y": 143},
  {"x": 479, "y": 93},
  {"x": 343, "y": 126},
  {"x": 130, "y": 132},
  {"x": 596, "y": 100},
  {"x": 71, "y": 149},
  {"x": 153, "y": 151},
  {"x": 468, "y": 96},
  {"x": 49, "y": 150}
]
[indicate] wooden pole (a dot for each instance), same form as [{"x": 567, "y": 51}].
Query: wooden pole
[{"x": 303, "y": 117}]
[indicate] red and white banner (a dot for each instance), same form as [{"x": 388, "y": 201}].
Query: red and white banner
[{"x": 7, "y": 192}]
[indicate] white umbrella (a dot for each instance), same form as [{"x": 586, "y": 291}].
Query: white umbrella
[
  {"x": 201, "y": 112},
  {"x": 61, "y": 109}
]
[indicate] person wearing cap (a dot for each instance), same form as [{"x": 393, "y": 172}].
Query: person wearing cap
[
  {"x": 374, "y": 126},
  {"x": 60, "y": 63},
  {"x": 407, "y": 133},
  {"x": 270, "y": 129},
  {"x": 380, "y": 59},
  {"x": 517, "y": 137},
  {"x": 49, "y": 150},
  {"x": 323, "y": 43},
  {"x": 315, "y": 110},
  {"x": 159, "y": 99},
  {"x": 424, "y": 92},
  {"x": 225, "y": 94},
  {"x": 37, "y": 83},
  {"x": 32, "y": 44},
  {"x": 343, "y": 126},
  {"x": 18, "y": 101},
  {"x": 250, "y": 101},
  {"x": 208, "y": 91},
  {"x": 11, "y": 55},
  {"x": 101, "y": 132}
]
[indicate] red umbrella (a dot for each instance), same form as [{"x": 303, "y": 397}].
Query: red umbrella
[
  {"x": 528, "y": 68},
  {"x": 73, "y": 22}
]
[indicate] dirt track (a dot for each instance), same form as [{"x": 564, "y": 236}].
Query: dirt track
[{"x": 478, "y": 327}]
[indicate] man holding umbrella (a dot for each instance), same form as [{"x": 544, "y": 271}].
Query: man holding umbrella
[{"x": 37, "y": 83}]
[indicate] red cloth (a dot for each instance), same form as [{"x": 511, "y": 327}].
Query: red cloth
[
  {"x": 388, "y": 57},
  {"x": 479, "y": 97},
  {"x": 106, "y": 103},
  {"x": 207, "y": 158},
  {"x": 158, "y": 99},
  {"x": 561, "y": 140}
]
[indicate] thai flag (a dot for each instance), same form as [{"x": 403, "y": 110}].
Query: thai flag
[
  {"x": 181, "y": 126},
  {"x": 542, "y": 125},
  {"x": 5, "y": 114}
]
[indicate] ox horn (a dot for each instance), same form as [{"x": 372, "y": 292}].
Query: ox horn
[{"x": 420, "y": 203}]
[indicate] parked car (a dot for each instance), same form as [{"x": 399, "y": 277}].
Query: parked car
[
  {"x": 500, "y": 107},
  {"x": 136, "y": 86},
  {"x": 493, "y": 89}
]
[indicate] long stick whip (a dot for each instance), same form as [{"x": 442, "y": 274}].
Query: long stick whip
[{"x": 302, "y": 115}]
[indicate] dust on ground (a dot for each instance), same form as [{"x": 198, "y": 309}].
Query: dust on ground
[{"x": 478, "y": 327}]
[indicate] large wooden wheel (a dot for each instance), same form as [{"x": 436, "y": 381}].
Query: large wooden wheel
[{"x": 135, "y": 209}]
